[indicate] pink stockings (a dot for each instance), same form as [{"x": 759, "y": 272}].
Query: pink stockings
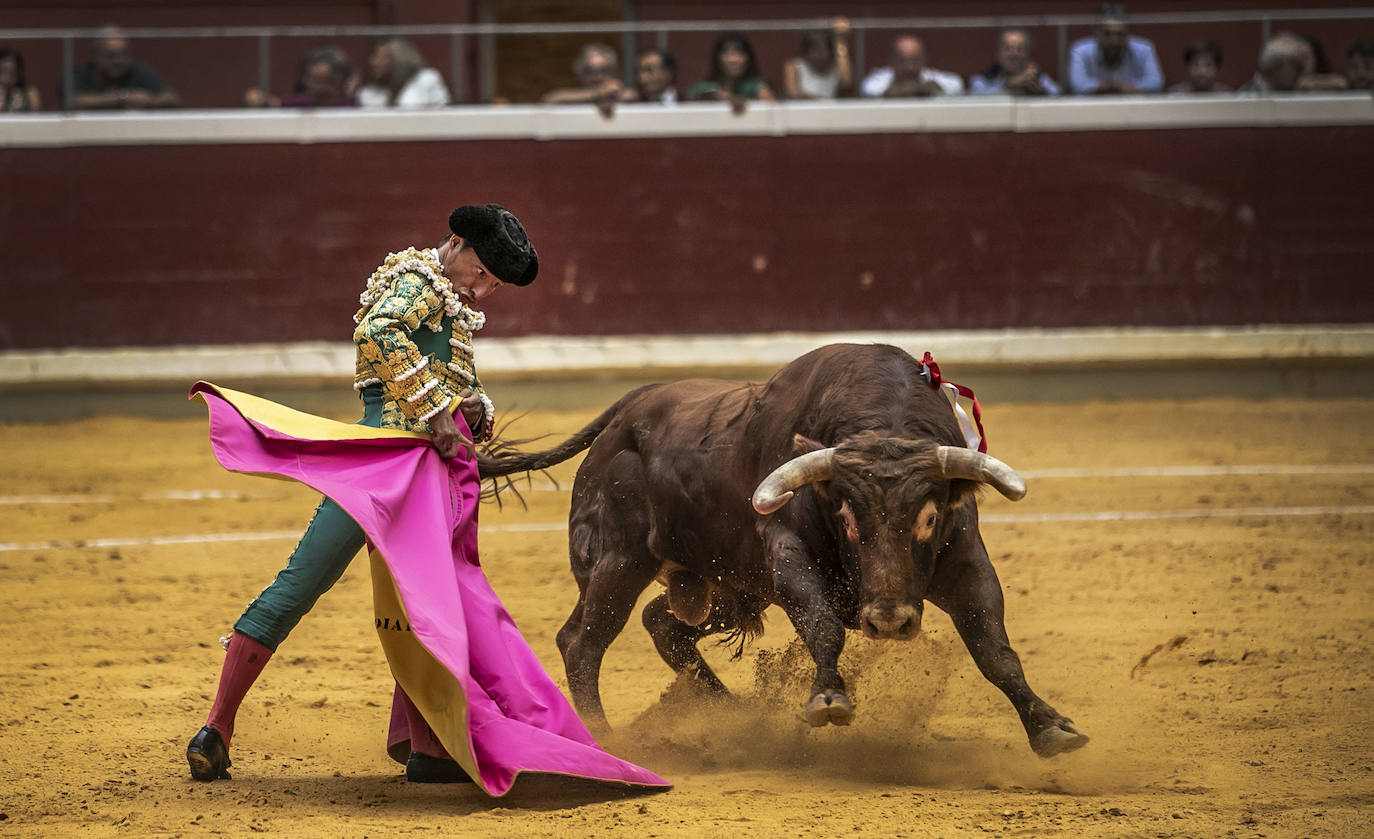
[
  {"x": 404, "y": 715},
  {"x": 242, "y": 664}
]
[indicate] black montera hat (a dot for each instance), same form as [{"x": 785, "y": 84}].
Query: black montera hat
[{"x": 499, "y": 240}]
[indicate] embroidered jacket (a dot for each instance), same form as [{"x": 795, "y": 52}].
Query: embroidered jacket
[{"x": 407, "y": 296}]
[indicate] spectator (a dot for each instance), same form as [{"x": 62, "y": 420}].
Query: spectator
[
  {"x": 908, "y": 75},
  {"x": 16, "y": 94},
  {"x": 1114, "y": 61},
  {"x": 734, "y": 74},
  {"x": 1013, "y": 71},
  {"x": 112, "y": 80},
  {"x": 823, "y": 69},
  {"x": 1359, "y": 65},
  {"x": 656, "y": 77},
  {"x": 1317, "y": 74},
  {"x": 1203, "y": 59},
  {"x": 597, "y": 81},
  {"x": 325, "y": 80},
  {"x": 1283, "y": 62},
  {"x": 400, "y": 79}
]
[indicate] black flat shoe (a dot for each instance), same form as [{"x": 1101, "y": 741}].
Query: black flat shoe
[
  {"x": 207, "y": 755},
  {"x": 423, "y": 769}
]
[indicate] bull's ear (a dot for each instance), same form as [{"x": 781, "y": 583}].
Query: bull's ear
[{"x": 963, "y": 492}]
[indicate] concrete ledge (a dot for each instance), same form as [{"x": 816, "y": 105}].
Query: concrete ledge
[
  {"x": 549, "y": 122},
  {"x": 546, "y": 357}
]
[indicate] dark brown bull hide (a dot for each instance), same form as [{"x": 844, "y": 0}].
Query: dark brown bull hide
[{"x": 884, "y": 518}]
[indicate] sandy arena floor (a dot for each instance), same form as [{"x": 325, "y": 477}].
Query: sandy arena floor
[{"x": 1210, "y": 625}]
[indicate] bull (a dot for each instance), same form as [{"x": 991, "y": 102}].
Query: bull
[{"x": 840, "y": 490}]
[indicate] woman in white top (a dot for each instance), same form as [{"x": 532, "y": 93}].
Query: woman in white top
[
  {"x": 401, "y": 79},
  {"x": 823, "y": 69}
]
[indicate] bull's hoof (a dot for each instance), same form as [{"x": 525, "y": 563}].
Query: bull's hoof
[
  {"x": 829, "y": 706},
  {"x": 1058, "y": 739}
]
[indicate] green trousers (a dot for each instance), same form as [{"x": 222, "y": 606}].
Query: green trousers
[{"x": 330, "y": 542}]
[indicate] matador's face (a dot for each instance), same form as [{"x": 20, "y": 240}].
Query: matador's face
[{"x": 472, "y": 282}]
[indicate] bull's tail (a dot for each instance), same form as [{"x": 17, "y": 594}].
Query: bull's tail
[{"x": 500, "y": 462}]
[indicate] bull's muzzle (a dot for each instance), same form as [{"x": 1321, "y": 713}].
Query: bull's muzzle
[{"x": 890, "y": 620}]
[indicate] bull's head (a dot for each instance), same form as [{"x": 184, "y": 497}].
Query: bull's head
[{"x": 895, "y": 500}]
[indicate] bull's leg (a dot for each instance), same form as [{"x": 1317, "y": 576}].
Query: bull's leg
[
  {"x": 614, "y": 585},
  {"x": 799, "y": 590},
  {"x": 608, "y": 544},
  {"x": 972, "y": 596},
  {"x": 676, "y": 643}
]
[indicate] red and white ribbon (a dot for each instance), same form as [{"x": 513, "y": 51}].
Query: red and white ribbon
[{"x": 973, "y": 429}]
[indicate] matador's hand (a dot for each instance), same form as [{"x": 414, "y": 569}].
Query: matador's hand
[
  {"x": 473, "y": 410},
  {"x": 448, "y": 439}
]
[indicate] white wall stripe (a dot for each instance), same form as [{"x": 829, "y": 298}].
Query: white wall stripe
[
  {"x": 551, "y": 527},
  {"x": 690, "y": 119},
  {"x": 666, "y": 356}
]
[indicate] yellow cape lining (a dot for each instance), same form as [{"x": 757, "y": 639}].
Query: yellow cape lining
[{"x": 299, "y": 424}]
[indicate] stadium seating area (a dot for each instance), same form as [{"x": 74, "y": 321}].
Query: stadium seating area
[{"x": 490, "y": 53}]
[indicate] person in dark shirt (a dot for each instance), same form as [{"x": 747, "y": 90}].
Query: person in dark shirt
[
  {"x": 112, "y": 80},
  {"x": 1203, "y": 60},
  {"x": 1359, "y": 65},
  {"x": 1014, "y": 71},
  {"x": 734, "y": 74},
  {"x": 16, "y": 94},
  {"x": 325, "y": 79}
]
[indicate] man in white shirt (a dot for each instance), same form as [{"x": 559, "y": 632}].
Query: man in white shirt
[
  {"x": 656, "y": 77},
  {"x": 909, "y": 76}
]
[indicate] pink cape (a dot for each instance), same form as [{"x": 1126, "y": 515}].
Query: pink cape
[{"x": 471, "y": 674}]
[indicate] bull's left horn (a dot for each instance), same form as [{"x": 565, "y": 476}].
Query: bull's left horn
[
  {"x": 959, "y": 462},
  {"x": 776, "y": 489}
]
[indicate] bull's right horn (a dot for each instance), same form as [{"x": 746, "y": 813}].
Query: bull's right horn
[
  {"x": 959, "y": 462},
  {"x": 776, "y": 489}
]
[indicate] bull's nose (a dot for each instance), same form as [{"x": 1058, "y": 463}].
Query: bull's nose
[{"x": 892, "y": 621}]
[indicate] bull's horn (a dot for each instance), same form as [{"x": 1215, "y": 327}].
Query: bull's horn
[
  {"x": 959, "y": 462},
  {"x": 776, "y": 489}
]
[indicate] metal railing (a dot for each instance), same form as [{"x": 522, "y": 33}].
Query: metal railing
[{"x": 662, "y": 30}]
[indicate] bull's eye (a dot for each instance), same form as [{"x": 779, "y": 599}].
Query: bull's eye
[
  {"x": 851, "y": 527},
  {"x": 925, "y": 521}
]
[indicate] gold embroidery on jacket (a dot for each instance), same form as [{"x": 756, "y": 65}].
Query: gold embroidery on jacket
[{"x": 406, "y": 292}]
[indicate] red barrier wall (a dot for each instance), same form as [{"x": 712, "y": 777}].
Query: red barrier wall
[{"x": 175, "y": 244}]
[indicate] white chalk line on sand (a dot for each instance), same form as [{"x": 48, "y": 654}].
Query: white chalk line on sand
[
  {"x": 551, "y": 527},
  {"x": 168, "y": 495},
  {"x": 1199, "y": 471},
  {"x": 1065, "y": 473},
  {"x": 1071, "y": 473}
]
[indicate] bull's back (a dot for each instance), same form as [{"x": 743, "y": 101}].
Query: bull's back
[
  {"x": 841, "y": 389},
  {"x": 686, "y": 425}
]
